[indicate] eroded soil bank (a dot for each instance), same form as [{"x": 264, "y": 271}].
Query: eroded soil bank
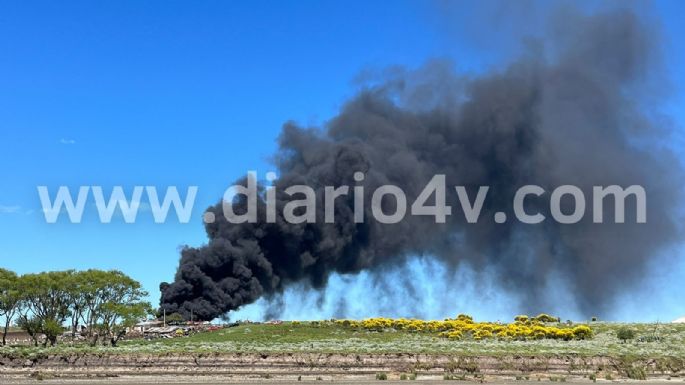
[{"x": 335, "y": 365}]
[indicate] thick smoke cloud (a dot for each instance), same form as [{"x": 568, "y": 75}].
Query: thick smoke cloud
[{"x": 576, "y": 109}]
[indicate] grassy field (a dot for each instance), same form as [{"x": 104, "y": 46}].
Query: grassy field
[
  {"x": 336, "y": 339},
  {"x": 328, "y": 337}
]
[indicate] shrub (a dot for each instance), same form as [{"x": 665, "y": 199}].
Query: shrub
[
  {"x": 52, "y": 328},
  {"x": 636, "y": 373},
  {"x": 582, "y": 332},
  {"x": 624, "y": 334},
  {"x": 464, "y": 328},
  {"x": 381, "y": 376},
  {"x": 482, "y": 334},
  {"x": 546, "y": 318},
  {"x": 32, "y": 326}
]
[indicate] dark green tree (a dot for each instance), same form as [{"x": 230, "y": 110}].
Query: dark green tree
[
  {"x": 47, "y": 297},
  {"x": 108, "y": 302},
  {"x": 10, "y": 299},
  {"x": 31, "y": 325},
  {"x": 121, "y": 305}
]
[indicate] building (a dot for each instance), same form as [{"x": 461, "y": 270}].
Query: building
[{"x": 145, "y": 325}]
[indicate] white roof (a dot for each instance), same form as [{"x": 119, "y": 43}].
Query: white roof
[
  {"x": 149, "y": 323},
  {"x": 168, "y": 329},
  {"x": 680, "y": 320}
]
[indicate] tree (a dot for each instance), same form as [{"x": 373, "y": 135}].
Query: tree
[
  {"x": 95, "y": 294},
  {"x": 175, "y": 319},
  {"x": 120, "y": 317},
  {"x": 108, "y": 302},
  {"x": 47, "y": 297},
  {"x": 121, "y": 305},
  {"x": 31, "y": 325},
  {"x": 10, "y": 299},
  {"x": 85, "y": 292},
  {"x": 52, "y": 329},
  {"x": 77, "y": 292}
]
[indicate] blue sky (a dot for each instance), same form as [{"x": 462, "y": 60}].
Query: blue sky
[{"x": 193, "y": 93}]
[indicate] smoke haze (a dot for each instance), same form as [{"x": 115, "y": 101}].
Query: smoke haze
[{"x": 578, "y": 107}]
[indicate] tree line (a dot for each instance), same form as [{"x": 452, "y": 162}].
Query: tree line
[{"x": 105, "y": 302}]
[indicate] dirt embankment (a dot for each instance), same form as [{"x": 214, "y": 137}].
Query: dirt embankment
[{"x": 288, "y": 364}]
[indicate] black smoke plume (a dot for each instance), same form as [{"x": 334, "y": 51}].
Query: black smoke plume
[{"x": 579, "y": 108}]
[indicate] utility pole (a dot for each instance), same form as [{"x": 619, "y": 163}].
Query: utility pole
[{"x": 165, "y": 317}]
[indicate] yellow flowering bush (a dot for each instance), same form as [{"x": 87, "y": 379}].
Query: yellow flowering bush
[{"x": 523, "y": 328}]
